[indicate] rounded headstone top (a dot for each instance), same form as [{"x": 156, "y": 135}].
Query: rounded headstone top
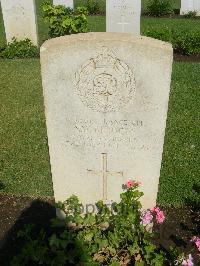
[{"x": 105, "y": 36}]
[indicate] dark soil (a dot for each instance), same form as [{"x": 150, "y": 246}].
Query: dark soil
[
  {"x": 187, "y": 58},
  {"x": 15, "y": 212}
]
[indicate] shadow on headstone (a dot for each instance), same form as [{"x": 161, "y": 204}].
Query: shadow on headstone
[{"x": 38, "y": 214}]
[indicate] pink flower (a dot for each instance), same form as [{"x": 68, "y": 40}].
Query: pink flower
[
  {"x": 196, "y": 240},
  {"x": 188, "y": 262},
  {"x": 131, "y": 183},
  {"x": 146, "y": 218},
  {"x": 160, "y": 217},
  {"x": 155, "y": 209}
]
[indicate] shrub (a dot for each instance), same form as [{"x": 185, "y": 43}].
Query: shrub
[
  {"x": 159, "y": 8},
  {"x": 114, "y": 235},
  {"x": 163, "y": 34},
  {"x": 176, "y": 11},
  {"x": 65, "y": 21},
  {"x": 20, "y": 49},
  {"x": 93, "y": 7},
  {"x": 184, "y": 42},
  {"x": 190, "y": 14}
]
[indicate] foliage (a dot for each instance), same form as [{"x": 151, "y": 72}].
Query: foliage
[
  {"x": 176, "y": 11},
  {"x": 93, "y": 7},
  {"x": 65, "y": 21},
  {"x": 158, "y": 8},
  {"x": 184, "y": 42},
  {"x": 20, "y": 49},
  {"x": 191, "y": 14},
  {"x": 114, "y": 235}
]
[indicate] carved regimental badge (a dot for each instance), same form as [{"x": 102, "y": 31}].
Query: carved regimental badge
[{"x": 105, "y": 83}]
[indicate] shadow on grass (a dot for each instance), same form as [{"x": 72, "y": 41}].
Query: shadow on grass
[
  {"x": 38, "y": 214},
  {"x": 180, "y": 225},
  {"x": 2, "y": 186}
]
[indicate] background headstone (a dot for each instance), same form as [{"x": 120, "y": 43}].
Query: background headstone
[
  {"x": 106, "y": 100},
  {"x": 197, "y": 6},
  {"x": 190, "y": 5},
  {"x": 20, "y": 19},
  {"x": 123, "y": 16},
  {"x": 67, "y": 3}
]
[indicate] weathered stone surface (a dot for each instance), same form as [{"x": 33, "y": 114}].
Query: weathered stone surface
[
  {"x": 190, "y": 5},
  {"x": 106, "y": 99},
  {"x": 67, "y": 3},
  {"x": 20, "y": 19},
  {"x": 123, "y": 16}
]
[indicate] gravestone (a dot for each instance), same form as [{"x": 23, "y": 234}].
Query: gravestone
[
  {"x": 20, "y": 19},
  {"x": 190, "y": 5},
  {"x": 66, "y": 3},
  {"x": 106, "y": 99},
  {"x": 123, "y": 16}
]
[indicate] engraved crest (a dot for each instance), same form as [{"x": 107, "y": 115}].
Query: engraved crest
[{"x": 105, "y": 83}]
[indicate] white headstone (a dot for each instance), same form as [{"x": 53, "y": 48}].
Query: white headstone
[
  {"x": 106, "y": 100},
  {"x": 190, "y": 5},
  {"x": 20, "y": 19},
  {"x": 197, "y": 6},
  {"x": 66, "y": 3},
  {"x": 123, "y": 16}
]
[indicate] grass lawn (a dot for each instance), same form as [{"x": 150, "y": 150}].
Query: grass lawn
[{"x": 24, "y": 160}]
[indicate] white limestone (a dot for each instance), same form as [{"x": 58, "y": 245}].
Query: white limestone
[
  {"x": 67, "y": 3},
  {"x": 123, "y": 16},
  {"x": 106, "y": 100},
  {"x": 190, "y": 5},
  {"x": 20, "y": 19}
]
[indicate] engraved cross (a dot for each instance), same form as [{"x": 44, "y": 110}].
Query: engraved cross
[
  {"x": 123, "y": 23},
  {"x": 104, "y": 173}
]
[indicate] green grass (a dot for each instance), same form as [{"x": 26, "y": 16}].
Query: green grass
[
  {"x": 181, "y": 168},
  {"x": 98, "y": 23},
  {"x": 24, "y": 159}
]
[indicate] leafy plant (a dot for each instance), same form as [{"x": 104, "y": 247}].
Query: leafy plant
[
  {"x": 187, "y": 43},
  {"x": 176, "y": 11},
  {"x": 163, "y": 34},
  {"x": 20, "y": 49},
  {"x": 191, "y": 14},
  {"x": 114, "y": 235},
  {"x": 158, "y": 8},
  {"x": 184, "y": 42},
  {"x": 93, "y": 7},
  {"x": 65, "y": 21}
]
